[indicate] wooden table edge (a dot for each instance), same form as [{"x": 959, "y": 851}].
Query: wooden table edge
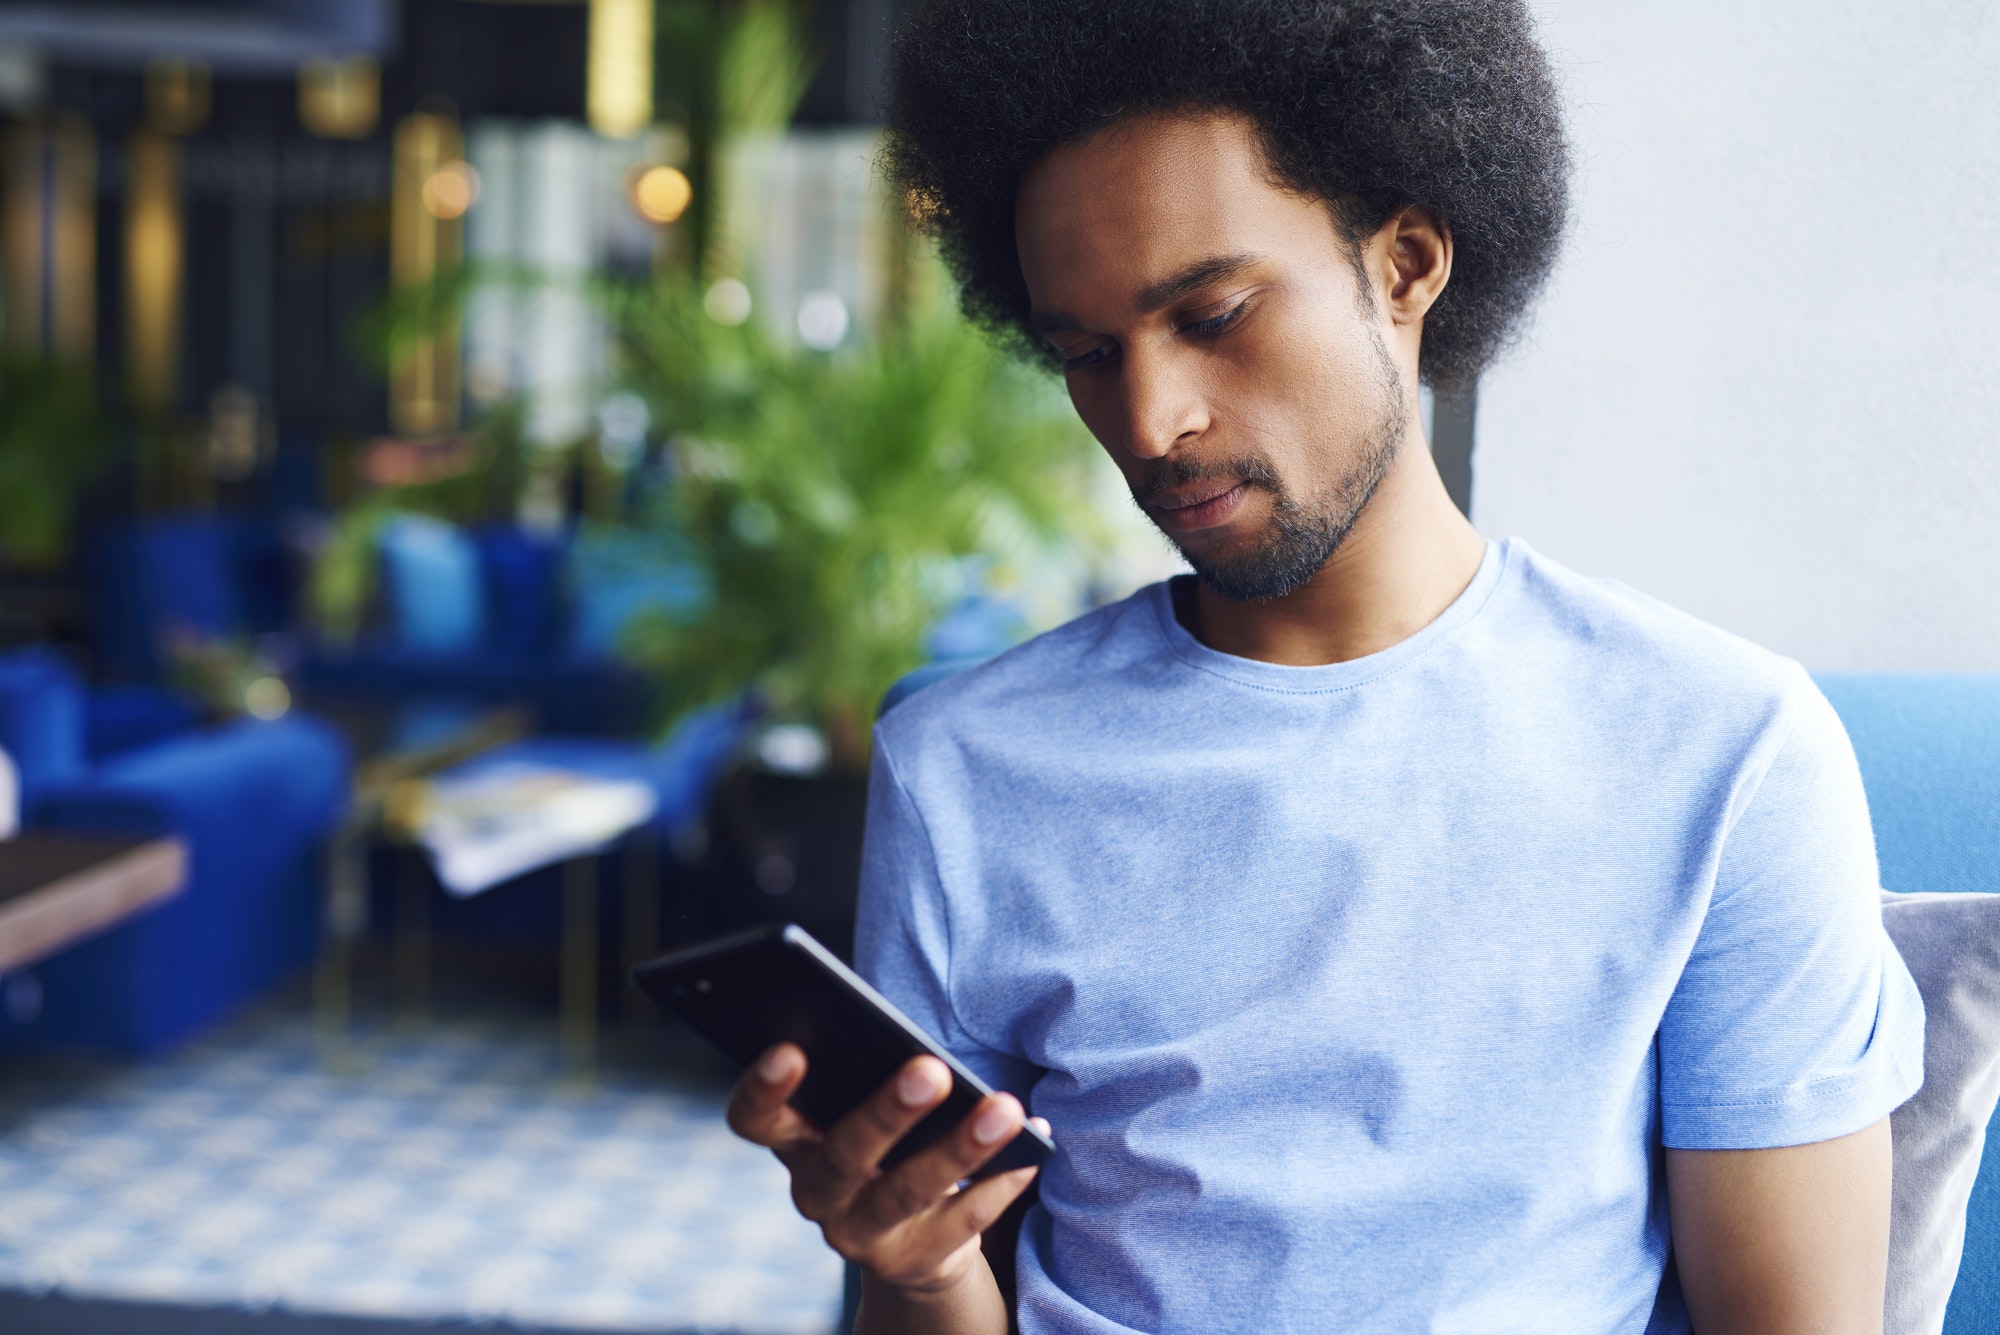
[{"x": 70, "y": 908}]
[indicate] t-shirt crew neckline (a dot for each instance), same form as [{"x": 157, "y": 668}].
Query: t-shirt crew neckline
[{"x": 1319, "y": 678}]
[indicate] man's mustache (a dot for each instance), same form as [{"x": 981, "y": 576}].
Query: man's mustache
[{"x": 1163, "y": 475}]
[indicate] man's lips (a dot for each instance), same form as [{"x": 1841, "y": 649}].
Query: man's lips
[{"x": 1198, "y": 506}]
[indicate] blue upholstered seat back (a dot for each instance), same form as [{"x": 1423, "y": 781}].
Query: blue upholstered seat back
[
  {"x": 42, "y": 722},
  {"x": 1929, "y": 747}
]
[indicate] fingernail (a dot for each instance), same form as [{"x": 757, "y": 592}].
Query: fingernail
[
  {"x": 1041, "y": 1124},
  {"x": 774, "y": 1065},
  {"x": 919, "y": 1085},
  {"x": 992, "y": 1124}
]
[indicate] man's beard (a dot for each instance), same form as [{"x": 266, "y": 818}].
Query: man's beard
[{"x": 1302, "y": 535}]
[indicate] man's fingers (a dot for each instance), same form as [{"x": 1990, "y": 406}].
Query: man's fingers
[
  {"x": 922, "y": 1181},
  {"x": 852, "y": 1147},
  {"x": 979, "y": 1206},
  {"x": 924, "y": 1245},
  {"x": 757, "y": 1108}
]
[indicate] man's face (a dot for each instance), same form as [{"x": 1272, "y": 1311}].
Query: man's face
[{"x": 1217, "y": 341}]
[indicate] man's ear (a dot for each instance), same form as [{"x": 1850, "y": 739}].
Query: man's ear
[{"x": 1411, "y": 255}]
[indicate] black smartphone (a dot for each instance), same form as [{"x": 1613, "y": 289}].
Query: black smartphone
[{"x": 746, "y": 992}]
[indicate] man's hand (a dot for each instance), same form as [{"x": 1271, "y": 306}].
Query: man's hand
[
  {"x": 1783, "y": 1242},
  {"x": 910, "y": 1229}
]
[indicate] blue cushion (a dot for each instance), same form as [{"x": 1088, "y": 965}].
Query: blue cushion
[
  {"x": 523, "y": 590},
  {"x": 42, "y": 723},
  {"x": 1929, "y": 747},
  {"x": 616, "y": 576},
  {"x": 432, "y": 574},
  {"x": 976, "y": 628}
]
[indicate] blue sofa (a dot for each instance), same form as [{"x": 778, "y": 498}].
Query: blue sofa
[
  {"x": 489, "y": 616},
  {"x": 252, "y": 800},
  {"x": 482, "y": 617},
  {"x": 1929, "y": 747}
]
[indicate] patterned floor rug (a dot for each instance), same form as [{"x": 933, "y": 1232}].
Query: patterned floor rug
[{"x": 443, "y": 1171}]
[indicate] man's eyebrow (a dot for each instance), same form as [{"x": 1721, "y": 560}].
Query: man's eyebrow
[
  {"x": 1196, "y": 276},
  {"x": 1191, "y": 279}
]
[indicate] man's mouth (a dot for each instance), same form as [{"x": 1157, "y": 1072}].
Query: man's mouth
[{"x": 1197, "y": 505}]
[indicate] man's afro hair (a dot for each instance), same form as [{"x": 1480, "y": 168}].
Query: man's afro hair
[{"x": 1371, "y": 105}]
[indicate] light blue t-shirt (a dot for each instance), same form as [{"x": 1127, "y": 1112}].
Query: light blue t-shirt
[{"x": 1364, "y": 997}]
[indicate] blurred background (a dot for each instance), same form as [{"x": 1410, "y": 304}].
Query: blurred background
[{"x": 470, "y": 471}]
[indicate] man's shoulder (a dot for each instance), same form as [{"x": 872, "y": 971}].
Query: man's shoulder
[{"x": 1628, "y": 644}]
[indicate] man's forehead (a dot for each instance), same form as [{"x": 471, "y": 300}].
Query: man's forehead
[
  {"x": 1154, "y": 173},
  {"x": 1143, "y": 213}
]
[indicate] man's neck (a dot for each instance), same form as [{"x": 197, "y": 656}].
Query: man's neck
[{"x": 1409, "y": 556}]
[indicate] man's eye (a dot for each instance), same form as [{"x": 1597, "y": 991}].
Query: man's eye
[
  {"x": 1215, "y": 324},
  {"x": 1083, "y": 361}
]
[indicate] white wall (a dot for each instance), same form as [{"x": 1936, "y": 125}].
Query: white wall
[{"x": 1765, "y": 384}]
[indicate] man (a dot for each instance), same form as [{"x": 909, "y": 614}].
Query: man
[{"x": 1396, "y": 931}]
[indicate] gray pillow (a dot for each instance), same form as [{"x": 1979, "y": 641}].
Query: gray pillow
[{"x": 1952, "y": 944}]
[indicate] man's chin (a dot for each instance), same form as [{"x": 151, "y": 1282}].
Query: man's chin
[
  {"x": 1255, "y": 576},
  {"x": 1275, "y": 562}
]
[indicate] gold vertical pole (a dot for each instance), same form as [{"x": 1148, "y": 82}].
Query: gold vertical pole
[
  {"x": 154, "y": 268},
  {"x": 21, "y": 231},
  {"x": 74, "y": 247},
  {"x": 50, "y": 238},
  {"x": 579, "y": 965},
  {"x": 423, "y": 388},
  {"x": 618, "y": 72}
]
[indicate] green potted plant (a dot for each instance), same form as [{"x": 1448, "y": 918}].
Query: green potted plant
[
  {"x": 52, "y": 446},
  {"x": 833, "y": 507}
]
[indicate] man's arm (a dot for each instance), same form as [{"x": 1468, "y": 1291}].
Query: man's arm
[{"x": 1783, "y": 1242}]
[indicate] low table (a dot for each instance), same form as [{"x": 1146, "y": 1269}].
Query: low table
[
  {"x": 388, "y": 764},
  {"x": 59, "y": 889}
]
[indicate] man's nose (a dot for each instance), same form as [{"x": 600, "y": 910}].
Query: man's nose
[{"x": 1163, "y": 405}]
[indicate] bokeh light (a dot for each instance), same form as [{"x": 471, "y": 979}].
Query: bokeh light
[
  {"x": 451, "y": 190},
  {"x": 662, "y": 194},
  {"x": 267, "y": 698},
  {"x": 727, "y": 301},
  {"x": 823, "y": 321}
]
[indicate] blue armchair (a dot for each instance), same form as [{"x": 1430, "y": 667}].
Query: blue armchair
[
  {"x": 1929, "y": 747},
  {"x": 250, "y": 799}
]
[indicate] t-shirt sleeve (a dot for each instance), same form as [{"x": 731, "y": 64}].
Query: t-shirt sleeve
[
  {"x": 1794, "y": 1020},
  {"x": 902, "y": 935}
]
